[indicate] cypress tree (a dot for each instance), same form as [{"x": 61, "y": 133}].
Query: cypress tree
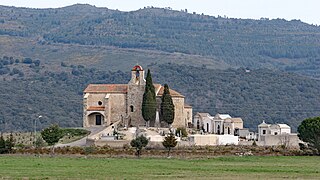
[
  {"x": 149, "y": 104},
  {"x": 167, "y": 107}
]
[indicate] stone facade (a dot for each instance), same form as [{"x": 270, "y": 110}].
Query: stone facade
[{"x": 104, "y": 104}]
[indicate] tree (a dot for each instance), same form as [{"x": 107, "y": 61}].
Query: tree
[
  {"x": 6, "y": 146},
  {"x": 309, "y": 132},
  {"x": 182, "y": 132},
  {"x": 139, "y": 143},
  {"x": 169, "y": 142},
  {"x": 149, "y": 103},
  {"x": 52, "y": 135},
  {"x": 167, "y": 106},
  {"x": 2, "y": 145},
  {"x": 10, "y": 143}
]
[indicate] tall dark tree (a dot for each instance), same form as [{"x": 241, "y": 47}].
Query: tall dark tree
[
  {"x": 309, "y": 132},
  {"x": 149, "y": 104},
  {"x": 167, "y": 106}
]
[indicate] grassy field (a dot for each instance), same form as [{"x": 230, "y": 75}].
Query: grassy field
[{"x": 254, "y": 167}]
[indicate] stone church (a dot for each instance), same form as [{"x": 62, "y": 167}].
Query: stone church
[{"x": 104, "y": 104}]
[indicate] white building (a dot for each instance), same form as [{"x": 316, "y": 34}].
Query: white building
[
  {"x": 276, "y": 134},
  {"x": 218, "y": 124},
  {"x": 273, "y": 129}
]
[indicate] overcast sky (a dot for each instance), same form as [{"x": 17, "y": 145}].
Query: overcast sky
[{"x": 305, "y": 10}]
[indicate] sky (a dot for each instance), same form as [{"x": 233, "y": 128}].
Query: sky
[{"x": 305, "y": 10}]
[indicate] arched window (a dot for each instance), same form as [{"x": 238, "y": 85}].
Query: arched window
[
  {"x": 207, "y": 127},
  {"x": 131, "y": 108}
]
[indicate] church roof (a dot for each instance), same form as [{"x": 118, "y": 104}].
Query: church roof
[
  {"x": 123, "y": 88},
  {"x": 106, "y": 88},
  {"x": 160, "y": 89}
]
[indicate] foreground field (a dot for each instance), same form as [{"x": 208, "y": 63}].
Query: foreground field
[{"x": 253, "y": 167}]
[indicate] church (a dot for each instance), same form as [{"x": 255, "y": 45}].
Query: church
[{"x": 105, "y": 104}]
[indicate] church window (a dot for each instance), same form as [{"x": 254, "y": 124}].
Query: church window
[
  {"x": 99, "y": 103},
  {"x": 131, "y": 108},
  {"x": 263, "y": 131},
  {"x": 137, "y": 74}
]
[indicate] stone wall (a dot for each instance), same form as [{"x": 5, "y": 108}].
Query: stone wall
[
  {"x": 134, "y": 99},
  {"x": 289, "y": 140},
  {"x": 179, "y": 115},
  {"x": 93, "y": 99},
  {"x": 117, "y": 107}
]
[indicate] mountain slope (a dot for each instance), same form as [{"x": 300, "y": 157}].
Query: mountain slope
[{"x": 277, "y": 44}]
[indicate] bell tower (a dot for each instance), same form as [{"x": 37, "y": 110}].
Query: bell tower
[
  {"x": 135, "y": 95},
  {"x": 137, "y": 76}
]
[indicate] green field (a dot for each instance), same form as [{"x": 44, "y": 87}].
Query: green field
[{"x": 273, "y": 167}]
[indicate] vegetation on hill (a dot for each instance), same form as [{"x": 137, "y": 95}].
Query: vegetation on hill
[
  {"x": 253, "y": 95},
  {"x": 278, "y": 44}
]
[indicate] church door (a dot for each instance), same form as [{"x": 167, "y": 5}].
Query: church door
[{"x": 98, "y": 119}]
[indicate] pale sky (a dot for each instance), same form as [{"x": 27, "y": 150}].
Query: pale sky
[{"x": 305, "y": 10}]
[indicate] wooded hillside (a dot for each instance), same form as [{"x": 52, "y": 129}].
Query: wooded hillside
[
  {"x": 29, "y": 90},
  {"x": 277, "y": 44}
]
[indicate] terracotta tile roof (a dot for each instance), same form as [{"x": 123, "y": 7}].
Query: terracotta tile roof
[
  {"x": 106, "y": 88},
  {"x": 95, "y": 108},
  {"x": 123, "y": 88},
  {"x": 173, "y": 93}
]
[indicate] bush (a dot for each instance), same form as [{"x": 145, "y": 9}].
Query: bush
[
  {"x": 27, "y": 61},
  {"x": 183, "y": 131}
]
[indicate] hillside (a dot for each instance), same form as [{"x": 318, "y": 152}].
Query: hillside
[
  {"x": 113, "y": 37},
  {"x": 31, "y": 88}
]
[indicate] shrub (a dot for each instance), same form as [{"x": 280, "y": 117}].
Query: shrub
[{"x": 183, "y": 132}]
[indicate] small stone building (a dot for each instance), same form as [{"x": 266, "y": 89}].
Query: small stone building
[{"x": 104, "y": 104}]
